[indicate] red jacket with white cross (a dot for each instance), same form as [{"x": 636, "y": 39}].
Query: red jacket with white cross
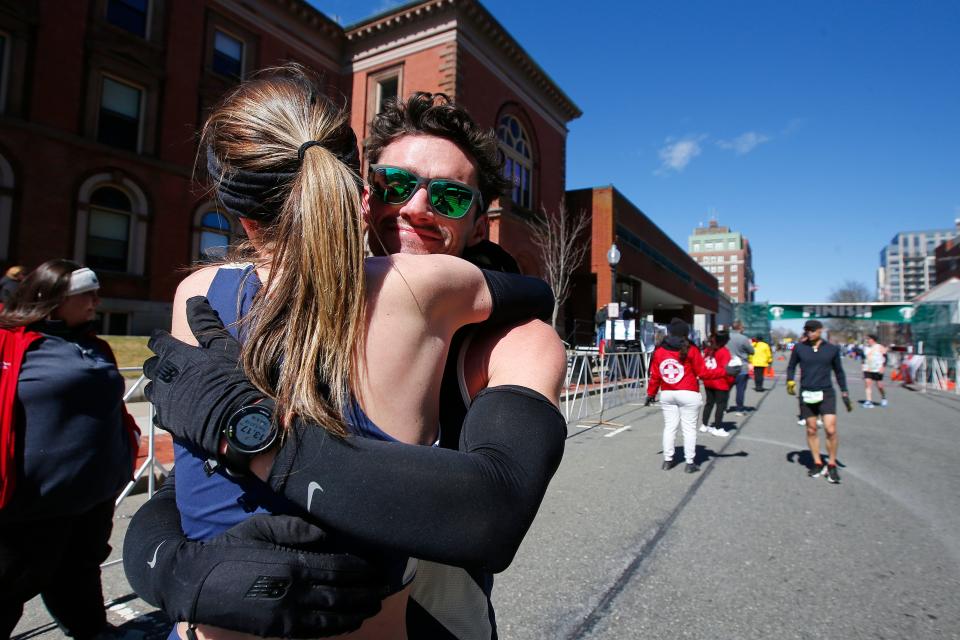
[{"x": 668, "y": 373}]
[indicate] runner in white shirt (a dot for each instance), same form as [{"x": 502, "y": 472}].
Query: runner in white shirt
[{"x": 874, "y": 360}]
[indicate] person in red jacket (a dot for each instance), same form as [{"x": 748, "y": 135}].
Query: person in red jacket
[
  {"x": 67, "y": 448},
  {"x": 675, "y": 371},
  {"x": 716, "y": 357}
]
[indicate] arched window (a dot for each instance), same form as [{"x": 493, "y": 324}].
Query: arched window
[
  {"x": 518, "y": 159},
  {"x": 108, "y": 230},
  {"x": 214, "y": 235},
  {"x": 111, "y": 224}
]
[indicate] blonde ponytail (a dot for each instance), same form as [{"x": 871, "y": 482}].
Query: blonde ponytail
[{"x": 305, "y": 330}]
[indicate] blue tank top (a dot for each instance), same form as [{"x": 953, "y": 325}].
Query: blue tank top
[{"x": 212, "y": 503}]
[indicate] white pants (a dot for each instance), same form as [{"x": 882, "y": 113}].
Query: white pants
[{"x": 680, "y": 409}]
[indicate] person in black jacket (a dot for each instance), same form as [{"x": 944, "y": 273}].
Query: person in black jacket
[
  {"x": 817, "y": 358},
  {"x": 75, "y": 447},
  {"x": 9, "y": 283}
]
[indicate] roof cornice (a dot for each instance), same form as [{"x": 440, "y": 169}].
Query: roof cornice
[{"x": 486, "y": 25}]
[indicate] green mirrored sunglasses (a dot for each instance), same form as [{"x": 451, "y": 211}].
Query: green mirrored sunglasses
[{"x": 449, "y": 198}]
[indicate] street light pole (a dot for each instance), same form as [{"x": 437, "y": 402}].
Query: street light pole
[{"x": 613, "y": 259}]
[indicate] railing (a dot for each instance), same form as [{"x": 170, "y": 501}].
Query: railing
[
  {"x": 939, "y": 374},
  {"x": 595, "y": 383},
  {"x": 148, "y": 466}
]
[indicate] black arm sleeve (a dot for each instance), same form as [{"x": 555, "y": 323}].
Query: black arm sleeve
[
  {"x": 792, "y": 365},
  {"x": 517, "y": 297},
  {"x": 469, "y": 508},
  {"x": 839, "y": 372},
  {"x": 268, "y": 575}
]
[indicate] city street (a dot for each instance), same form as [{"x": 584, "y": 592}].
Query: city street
[{"x": 750, "y": 547}]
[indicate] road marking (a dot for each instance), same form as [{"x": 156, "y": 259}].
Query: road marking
[{"x": 613, "y": 433}]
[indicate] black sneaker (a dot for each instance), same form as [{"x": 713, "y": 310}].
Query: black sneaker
[
  {"x": 667, "y": 465},
  {"x": 692, "y": 467},
  {"x": 817, "y": 470},
  {"x": 832, "y": 476}
]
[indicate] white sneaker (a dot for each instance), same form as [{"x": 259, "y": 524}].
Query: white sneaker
[
  {"x": 883, "y": 402},
  {"x": 867, "y": 404},
  {"x": 720, "y": 433},
  {"x": 801, "y": 422},
  {"x": 704, "y": 428}
]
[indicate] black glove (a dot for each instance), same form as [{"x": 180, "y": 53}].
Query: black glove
[
  {"x": 195, "y": 389},
  {"x": 847, "y": 403},
  {"x": 648, "y": 401},
  {"x": 268, "y": 575}
]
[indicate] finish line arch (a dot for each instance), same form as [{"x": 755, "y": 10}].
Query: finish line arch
[{"x": 758, "y": 317}]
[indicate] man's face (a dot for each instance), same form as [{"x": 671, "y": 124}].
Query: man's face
[
  {"x": 414, "y": 227},
  {"x": 871, "y": 342},
  {"x": 814, "y": 335}
]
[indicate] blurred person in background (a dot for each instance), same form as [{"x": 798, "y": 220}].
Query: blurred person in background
[
  {"x": 874, "y": 362},
  {"x": 10, "y": 281},
  {"x": 67, "y": 448},
  {"x": 717, "y": 390},
  {"x": 761, "y": 359}
]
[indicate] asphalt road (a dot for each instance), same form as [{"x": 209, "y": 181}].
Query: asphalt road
[{"x": 747, "y": 548}]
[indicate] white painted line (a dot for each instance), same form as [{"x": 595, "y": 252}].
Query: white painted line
[{"x": 613, "y": 433}]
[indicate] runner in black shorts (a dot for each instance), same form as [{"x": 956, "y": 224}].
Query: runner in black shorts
[{"x": 816, "y": 358}]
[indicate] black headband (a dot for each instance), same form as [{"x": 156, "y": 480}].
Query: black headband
[{"x": 260, "y": 195}]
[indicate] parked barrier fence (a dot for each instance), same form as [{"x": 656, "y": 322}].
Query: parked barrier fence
[
  {"x": 595, "y": 383},
  {"x": 149, "y": 465}
]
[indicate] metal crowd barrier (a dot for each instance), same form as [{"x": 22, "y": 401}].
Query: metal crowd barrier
[
  {"x": 939, "y": 374},
  {"x": 148, "y": 466},
  {"x": 595, "y": 383}
]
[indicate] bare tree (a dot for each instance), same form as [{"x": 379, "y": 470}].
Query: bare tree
[
  {"x": 559, "y": 240},
  {"x": 851, "y": 291}
]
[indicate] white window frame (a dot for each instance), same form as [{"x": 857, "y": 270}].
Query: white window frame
[
  {"x": 243, "y": 50},
  {"x": 734, "y": 268},
  {"x": 140, "y": 115},
  {"x": 137, "y": 238},
  {"x": 516, "y": 158},
  {"x": 236, "y": 230}
]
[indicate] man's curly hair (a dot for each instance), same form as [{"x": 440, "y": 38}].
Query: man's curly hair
[{"x": 435, "y": 114}]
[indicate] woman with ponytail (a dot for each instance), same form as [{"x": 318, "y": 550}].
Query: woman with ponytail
[
  {"x": 354, "y": 345},
  {"x": 676, "y": 370}
]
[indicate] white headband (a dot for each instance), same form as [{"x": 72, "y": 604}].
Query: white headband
[{"x": 82, "y": 280}]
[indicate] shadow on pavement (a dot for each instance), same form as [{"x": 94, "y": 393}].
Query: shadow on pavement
[{"x": 805, "y": 459}]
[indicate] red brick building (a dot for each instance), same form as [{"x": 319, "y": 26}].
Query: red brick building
[
  {"x": 101, "y": 101},
  {"x": 655, "y": 275}
]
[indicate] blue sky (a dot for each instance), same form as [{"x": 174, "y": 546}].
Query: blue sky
[{"x": 818, "y": 129}]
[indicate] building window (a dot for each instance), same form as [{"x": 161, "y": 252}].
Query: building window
[
  {"x": 108, "y": 230},
  {"x": 213, "y": 234},
  {"x": 4, "y": 56},
  {"x": 130, "y": 15},
  {"x": 518, "y": 160},
  {"x": 734, "y": 289},
  {"x": 227, "y": 54},
  {"x": 119, "y": 123},
  {"x": 708, "y": 246},
  {"x": 731, "y": 245},
  {"x": 720, "y": 279},
  {"x": 387, "y": 89},
  {"x": 111, "y": 224},
  {"x": 734, "y": 268}
]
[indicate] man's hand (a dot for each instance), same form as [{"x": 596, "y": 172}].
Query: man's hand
[
  {"x": 846, "y": 401},
  {"x": 792, "y": 387},
  {"x": 648, "y": 401},
  {"x": 195, "y": 389}
]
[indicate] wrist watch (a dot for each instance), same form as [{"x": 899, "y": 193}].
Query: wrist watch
[{"x": 249, "y": 431}]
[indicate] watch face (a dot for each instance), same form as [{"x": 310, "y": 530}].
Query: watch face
[{"x": 251, "y": 429}]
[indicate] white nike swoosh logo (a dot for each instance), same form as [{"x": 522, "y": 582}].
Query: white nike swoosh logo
[
  {"x": 153, "y": 563},
  {"x": 311, "y": 489}
]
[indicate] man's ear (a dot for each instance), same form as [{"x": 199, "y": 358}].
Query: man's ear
[{"x": 480, "y": 229}]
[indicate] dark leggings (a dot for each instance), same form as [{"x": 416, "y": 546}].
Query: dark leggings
[
  {"x": 60, "y": 560},
  {"x": 758, "y": 377},
  {"x": 718, "y": 398}
]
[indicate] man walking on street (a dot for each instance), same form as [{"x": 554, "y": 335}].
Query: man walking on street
[
  {"x": 817, "y": 358},
  {"x": 740, "y": 347},
  {"x": 761, "y": 359}
]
